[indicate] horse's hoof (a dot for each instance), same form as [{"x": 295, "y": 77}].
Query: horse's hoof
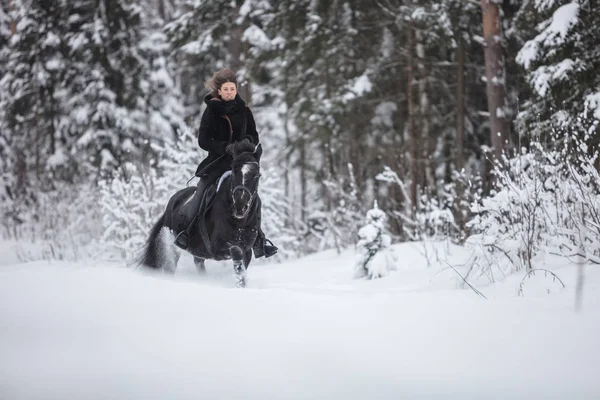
[{"x": 240, "y": 281}]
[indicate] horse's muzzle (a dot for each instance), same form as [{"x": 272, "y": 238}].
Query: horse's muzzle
[
  {"x": 241, "y": 213},
  {"x": 242, "y": 202}
]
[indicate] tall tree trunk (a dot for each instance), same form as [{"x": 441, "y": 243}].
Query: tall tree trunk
[
  {"x": 494, "y": 73},
  {"x": 13, "y": 23},
  {"x": 413, "y": 155},
  {"x": 288, "y": 147},
  {"x": 303, "y": 183},
  {"x": 161, "y": 10},
  {"x": 328, "y": 156},
  {"x": 427, "y": 143},
  {"x": 288, "y": 161},
  {"x": 460, "y": 103},
  {"x": 460, "y": 129},
  {"x": 237, "y": 50}
]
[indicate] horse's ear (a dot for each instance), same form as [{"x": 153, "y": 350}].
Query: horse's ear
[
  {"x": 229, "y": 149},
  {"x": 258, "y": 151}
]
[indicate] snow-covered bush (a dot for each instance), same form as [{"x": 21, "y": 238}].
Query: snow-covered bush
[
  {"x": 438, "y": 216},
  {"x": 133, "y": 199},
  {"x": 63, "y": 224},
  {"x": 547, "y": 200},
  {"x": 375, "y": 258},
  {"x": 130, "y": 204},
  {"x": 334, "y": 225},
  {"x": 275, "y": 208}
]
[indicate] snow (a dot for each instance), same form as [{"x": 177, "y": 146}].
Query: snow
[
  {"x": 387, "y": 44},
  {"x": 198, "y": 46},
  {"x": 592, "y": 101},
  {"x": 54, "y": 64},
  {"x": 543, "y": 77},
  {"x": 51, "y": 40},
  {"x": 542, "y": 5},
  {"x": 368, "y": 233},
  {"x": 255, "y": 36},
  {"x": 384, "y": 113},
  {"x": 358, "y": 87},
  {"x": 57, "y": 159},
  {"x": 553, "y": 32},
  {"x": 301, "y": 330},
  {"x": 563, "y": 20},
  {"x": 500, "y": 113}
]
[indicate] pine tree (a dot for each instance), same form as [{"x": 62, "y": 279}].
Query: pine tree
[
  {"x": 82, "y": 93},
  {"x": 31, "y": 100},
  {"x": 561, "y": 58},
  {"x": 375, "y": 260},
  {"x": 6, "y": 166},
  {"x": 108, "y": 111},
  {"x": 211, "y": 35}
]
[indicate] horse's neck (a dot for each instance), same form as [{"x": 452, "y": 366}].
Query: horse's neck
[{"x": 223, "y": 202}]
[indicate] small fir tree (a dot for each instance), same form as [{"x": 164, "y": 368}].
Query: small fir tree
[{"x": 375, "y": 257}]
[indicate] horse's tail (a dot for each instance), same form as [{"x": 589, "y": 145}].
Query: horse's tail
[{"x": 150, "y": 256}]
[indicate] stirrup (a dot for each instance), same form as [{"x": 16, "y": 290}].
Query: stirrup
[
  {"x": 181, "y": 240},
  {"x": 269, "y": 249}
]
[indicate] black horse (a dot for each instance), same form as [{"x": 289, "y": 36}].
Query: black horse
[{"x": 227, "y": 230}]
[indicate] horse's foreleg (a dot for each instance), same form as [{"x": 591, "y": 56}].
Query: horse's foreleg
[
  {"x": 237, "y": 255},
  {"x": 199, "y": 262}
]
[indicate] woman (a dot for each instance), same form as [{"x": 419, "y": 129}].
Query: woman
[{"x": 226, "y": 119}]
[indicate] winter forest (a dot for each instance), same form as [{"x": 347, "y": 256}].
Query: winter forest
[
  {"x": 468, "y": 122},
  {"x": 430, "y": 174}
]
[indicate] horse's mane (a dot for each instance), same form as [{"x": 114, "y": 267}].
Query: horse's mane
[
  {"x": 238, "y": 148},
  {"x": 243, "y": 151}
]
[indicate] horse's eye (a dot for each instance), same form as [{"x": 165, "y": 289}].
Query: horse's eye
[{"x": 258, "y": 176}]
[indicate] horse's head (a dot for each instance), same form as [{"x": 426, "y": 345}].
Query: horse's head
[{"x": 245, "y": 173}]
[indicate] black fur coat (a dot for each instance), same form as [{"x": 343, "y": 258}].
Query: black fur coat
[{"x": 223, "y": 122}]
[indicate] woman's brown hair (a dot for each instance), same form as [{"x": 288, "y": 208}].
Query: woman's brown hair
[{"x": 218, "y": 79}]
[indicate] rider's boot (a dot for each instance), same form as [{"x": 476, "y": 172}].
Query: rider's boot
[
  {"x": 264, "y": 247},
  {"x": 190, "y": 211}
]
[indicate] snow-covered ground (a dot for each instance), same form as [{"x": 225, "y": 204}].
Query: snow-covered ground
[{"x": 302, "y": 329}]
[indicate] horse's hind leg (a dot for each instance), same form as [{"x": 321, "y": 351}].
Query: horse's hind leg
[
  {"x": 199, "y": 262},
  {"x": 237, "y": 255}
]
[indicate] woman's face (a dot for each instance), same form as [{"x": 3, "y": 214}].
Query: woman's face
[{"x": 228, "y": 91}]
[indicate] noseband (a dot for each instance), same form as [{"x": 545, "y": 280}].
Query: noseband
[{"x": 245, "y": 189}]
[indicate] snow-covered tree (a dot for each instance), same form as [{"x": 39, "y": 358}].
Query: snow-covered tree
[
  {"x": 6, "y": 160},
  {"x": 211, "y": 35},
  {"x": 32, "y": 99},
  {"x": 86, "y": 88},
  {"x": 561, "y": 57},
  {"x": 375, "y": 258},
  {"x": 113, "y": 111}
]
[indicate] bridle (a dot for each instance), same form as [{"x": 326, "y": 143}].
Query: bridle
[{"x": 245, "y": 189}]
